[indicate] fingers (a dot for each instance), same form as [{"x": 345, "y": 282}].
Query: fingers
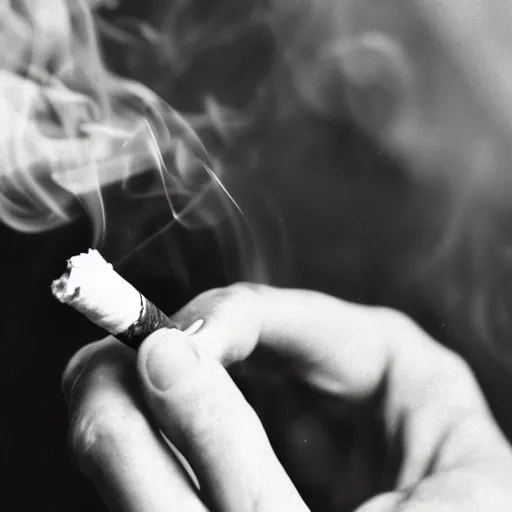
[
  {"x": 111, "y": 440},
  {"x": 350, "y": 349},
  {"x": 339, "y": 346},
  {"x": 196, "y": 404}
]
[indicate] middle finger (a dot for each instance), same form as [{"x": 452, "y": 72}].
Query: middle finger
[{"x": 111, "y": 439}]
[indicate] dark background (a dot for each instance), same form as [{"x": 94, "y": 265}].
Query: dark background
[{"x": 329, "y": 211}]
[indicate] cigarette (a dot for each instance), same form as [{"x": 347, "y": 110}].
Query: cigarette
[{"x": 95, "y": 289}]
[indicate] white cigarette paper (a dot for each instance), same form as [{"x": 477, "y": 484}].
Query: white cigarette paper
[{"x": 95, "y": 289}]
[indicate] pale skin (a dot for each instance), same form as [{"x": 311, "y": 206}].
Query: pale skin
[{"x": 455, "y": 456}]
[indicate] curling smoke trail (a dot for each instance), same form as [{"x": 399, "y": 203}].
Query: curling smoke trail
[
  {"x": 73, "y": 128},
  {"x": 409, "y": 74}
]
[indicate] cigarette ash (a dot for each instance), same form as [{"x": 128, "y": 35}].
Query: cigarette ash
[
  {"x": 63, "y": 292},
  {"x": 95, "y": 289}
]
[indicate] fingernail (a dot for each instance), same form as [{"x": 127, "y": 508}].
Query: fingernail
[
  {"x": 194, "y": 327},
  {"x": 169, "y": 359}
]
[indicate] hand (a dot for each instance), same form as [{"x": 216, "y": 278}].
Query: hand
[{"x": 455, "y": 457}]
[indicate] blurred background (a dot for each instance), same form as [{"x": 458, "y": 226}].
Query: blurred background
[{"x": 357, "y": 147}]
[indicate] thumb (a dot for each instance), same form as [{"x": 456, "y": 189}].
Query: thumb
[{"x": 199, "y": 408}]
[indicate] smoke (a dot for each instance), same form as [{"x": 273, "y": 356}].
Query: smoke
[
  {"x": 85, "y": 97},
  {"x": 72, "y": 129}
]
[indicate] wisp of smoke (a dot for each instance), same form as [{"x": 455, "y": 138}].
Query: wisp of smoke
[
  {"x": 72, "y": 129},
  {"x": 428, "y": 81}
]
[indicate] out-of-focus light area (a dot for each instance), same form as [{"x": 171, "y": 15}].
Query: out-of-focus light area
[{"x": 357, "y": 147}]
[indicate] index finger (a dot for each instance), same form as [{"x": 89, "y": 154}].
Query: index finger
[
  {"x": 350, "y": 350},
  {"x": 340, "y": 346}
]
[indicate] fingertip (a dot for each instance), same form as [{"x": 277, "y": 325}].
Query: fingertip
[
  {"x": 165, "y": 358},
  {"x": 224, "y": 323}
]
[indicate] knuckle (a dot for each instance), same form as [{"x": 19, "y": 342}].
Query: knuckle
[
  {"x": 458, "y": 368},
  {"x": 97, "y": 433},
  {"x": 233, "y": 291},
  {"x": 397, "y": 328},
  {"x": 401, "y": 326},
  {"x": 395, "y": 321},
  {"x": 241, "y": 292},
  {"x": 450, "y": 375},
  {"x": 459, "y": 375},
  {"x": 454, "y": 384},
  {"x": 81, "y": 438},
  {"x": 90, "y": 381}
]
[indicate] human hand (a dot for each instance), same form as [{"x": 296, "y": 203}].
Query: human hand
[{"x": 455, "y": 457}]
